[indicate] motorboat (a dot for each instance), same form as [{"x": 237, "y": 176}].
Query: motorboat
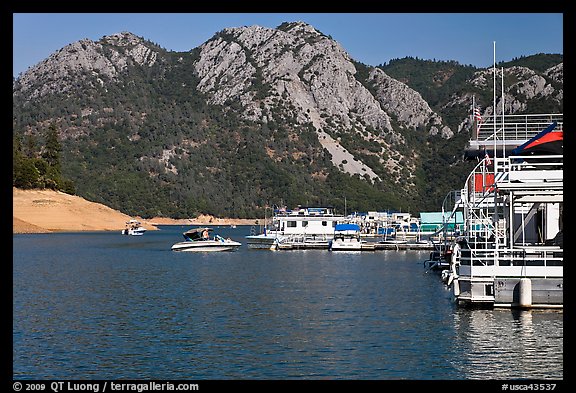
[
  {"x": 201, "y": 239},
  {"x": 133, "y": 228},
  {"x": 346, "y": 237}
]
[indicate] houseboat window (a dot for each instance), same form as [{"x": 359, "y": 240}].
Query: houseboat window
[
  {"x": 291, "y": 224},
  {"x": 324, "y": 223},
  {"x": 304, "y": 223}
]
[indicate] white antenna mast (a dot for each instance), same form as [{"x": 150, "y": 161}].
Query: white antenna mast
[
  {"x": 494, "y": 105},
  {"x": 503, "y": 129},
  {"x": 495, "y": 214},
  {"x": 475, "y": 129}
]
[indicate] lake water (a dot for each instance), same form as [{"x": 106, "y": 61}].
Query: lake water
[{"x": 106, "y": 306}]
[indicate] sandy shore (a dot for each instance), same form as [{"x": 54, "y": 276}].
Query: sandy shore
[{"x": 41, "y": 211}]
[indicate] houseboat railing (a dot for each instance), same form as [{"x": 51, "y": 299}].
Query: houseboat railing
[
  {"x": 545, "y": 261},
  {"x": 517, "y": 127}
]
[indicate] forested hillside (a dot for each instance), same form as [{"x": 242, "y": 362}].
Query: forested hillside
[{"x": 255, "y": 117}]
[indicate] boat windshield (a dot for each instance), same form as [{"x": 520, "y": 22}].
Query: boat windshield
[{"x": 197, "y": 234}]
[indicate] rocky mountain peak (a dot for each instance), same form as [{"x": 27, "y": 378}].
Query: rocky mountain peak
[
  {"x": 294, "y": 66},
  {"x": 97, "y": 62},
  {"x": 124, "y": 38},
  {"x": 299, "y": 27}
]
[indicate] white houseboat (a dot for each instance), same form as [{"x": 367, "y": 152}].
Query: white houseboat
[
  {"x": 304, "y": 227},
  {"x": 511, "y": 251}
]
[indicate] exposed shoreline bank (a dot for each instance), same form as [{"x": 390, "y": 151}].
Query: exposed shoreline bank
[{"x": 46, "y": 211}]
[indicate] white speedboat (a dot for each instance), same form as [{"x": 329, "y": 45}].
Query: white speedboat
[
  {"x": 199, "y": 239},
  {"x": 133, "y": 228},
  {"x": 346, "y": 237}
]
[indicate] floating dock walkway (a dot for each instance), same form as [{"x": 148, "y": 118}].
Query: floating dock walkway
[{"x": 367, "y": 246}]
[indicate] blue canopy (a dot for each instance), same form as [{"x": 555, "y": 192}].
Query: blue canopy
[{"x": 347, "y": 227}]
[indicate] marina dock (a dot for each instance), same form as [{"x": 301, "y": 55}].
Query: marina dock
[{"x": 367, "y": 246}]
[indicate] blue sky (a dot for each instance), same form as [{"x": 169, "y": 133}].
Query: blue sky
[{"x": 371, "y": 38}]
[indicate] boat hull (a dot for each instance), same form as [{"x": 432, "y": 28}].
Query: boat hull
[
  {"x": 263, "y": 242},
  {"x": 507, "y": 291},
  {"x": 206, "y": 246},
  {"x": 134, "y": 232}
]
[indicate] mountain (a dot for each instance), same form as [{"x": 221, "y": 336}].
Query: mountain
[{"x": 258, "y": 116}]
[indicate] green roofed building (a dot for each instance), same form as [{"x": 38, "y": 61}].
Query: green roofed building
[{"x": 432, "y": 221}]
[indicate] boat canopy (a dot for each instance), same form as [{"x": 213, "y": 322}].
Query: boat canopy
[
  {"x": 195, "y": 233},
  {"x": 347, "y": 227},
  {"x": 547, "y": 142}
]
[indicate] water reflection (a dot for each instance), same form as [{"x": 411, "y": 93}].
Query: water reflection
[{"x": 509, "y": 344}]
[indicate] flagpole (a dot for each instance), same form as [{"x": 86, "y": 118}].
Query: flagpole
[
  {"x": 494, "y": 100},
  {"x": 474, "y": 116},
  {"x": 495, "y": 215},
  {"x": 503, "y": 129}
]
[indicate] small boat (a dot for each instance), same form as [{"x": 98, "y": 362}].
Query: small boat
[
  {"x": 440, "y": 257},
  {"x": 346, "y": 237},
  {"x": 133, "y": 228},
  {"x": 199, "y": 239}
]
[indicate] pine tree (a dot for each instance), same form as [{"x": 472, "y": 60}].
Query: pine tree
[
  {"x": 52, "y": 149},
  {"x": 29, "y": 149},
  {"x": 24, "y": 172}
]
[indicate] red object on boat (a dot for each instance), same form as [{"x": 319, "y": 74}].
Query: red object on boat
[{"x": 483, "y": 182}]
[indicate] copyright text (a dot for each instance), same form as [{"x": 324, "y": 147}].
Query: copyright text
[{"x": 98, "y": 387}]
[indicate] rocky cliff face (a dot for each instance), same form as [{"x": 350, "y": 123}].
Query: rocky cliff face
[
  {"x": 295, "y": 65},
  {"x": 521, "y": 85},
  {"x": 406, "y": 104},
  {"x": 298, "y": 68},
  {"x": 291, "y": 72}
]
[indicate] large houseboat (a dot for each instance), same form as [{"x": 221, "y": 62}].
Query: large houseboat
[
  {"x": 511, "y": 251},
  {"x": 303, "y": 227}
]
